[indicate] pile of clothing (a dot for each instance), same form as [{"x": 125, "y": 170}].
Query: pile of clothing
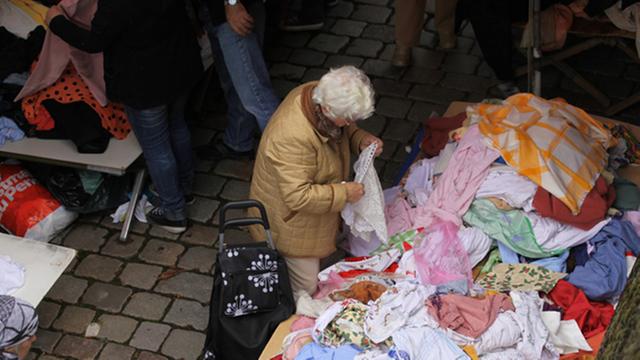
[
  {"x": 512, "y": 241},
  {"x": 49, "y": 89}
]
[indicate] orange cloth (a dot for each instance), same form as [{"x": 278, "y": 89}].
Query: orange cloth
[{"x": 67, "y": 89}]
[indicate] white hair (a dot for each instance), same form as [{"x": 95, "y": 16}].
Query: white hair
[{"x": 345, "y": 92}]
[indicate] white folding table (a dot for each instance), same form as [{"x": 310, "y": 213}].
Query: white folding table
[
  {"x": 43, "y": 263},
  {"x": 116, "y": 160}
]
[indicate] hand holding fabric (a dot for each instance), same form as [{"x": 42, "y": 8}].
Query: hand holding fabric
[
  {"x": 369, "y": 139},
  {"x": 53, "y": 12},
  {"x": 239, "y": 19},
  {"x": 355, "y": 191}
]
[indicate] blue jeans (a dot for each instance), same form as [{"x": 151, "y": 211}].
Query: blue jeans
[
  {"x": 166, "y": 144},
  {"x": 244, "y": 78}
]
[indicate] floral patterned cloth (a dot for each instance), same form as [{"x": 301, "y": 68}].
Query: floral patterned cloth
[
  {"x": 521, "y": 277},
  {"x": 343, "y": 324}
]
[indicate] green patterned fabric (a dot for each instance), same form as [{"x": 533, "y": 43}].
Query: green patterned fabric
[
  {"x": 512, "y": 228},
  {"x": 520, "y": 277},
  {"x": 397, "y": 241},
  {"x": 347, "y": 328}
]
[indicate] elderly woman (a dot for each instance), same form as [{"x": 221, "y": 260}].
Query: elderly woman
[
  {"x": 18, "y": 325},
  {"x": 302, "y": 167}
]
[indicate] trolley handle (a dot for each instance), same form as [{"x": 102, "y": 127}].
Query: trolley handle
[{"x": 247, "y": 221}]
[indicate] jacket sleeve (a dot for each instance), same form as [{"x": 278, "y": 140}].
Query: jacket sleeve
[
  {"x": 107, "y": 24},
  {"x": 355, "y": 137},
  {"x": 295, "y": 166}
]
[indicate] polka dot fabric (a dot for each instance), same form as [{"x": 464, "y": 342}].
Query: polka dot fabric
[{"x": 67, "y": 89}]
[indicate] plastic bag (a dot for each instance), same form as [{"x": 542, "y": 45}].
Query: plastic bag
[
  {"x": 27, "y": 209},
  {"x": 440, "y": 257}
]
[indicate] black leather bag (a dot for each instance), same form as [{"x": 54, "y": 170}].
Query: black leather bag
[{"x": 251, "y": 292}]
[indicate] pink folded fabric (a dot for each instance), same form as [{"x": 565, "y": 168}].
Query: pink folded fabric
[
  {"x": 56, "y": 54},
  {"x": 466, "y": 315}
]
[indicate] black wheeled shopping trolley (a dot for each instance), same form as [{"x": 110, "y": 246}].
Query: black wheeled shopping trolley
[{"x": 251, "y": 291}]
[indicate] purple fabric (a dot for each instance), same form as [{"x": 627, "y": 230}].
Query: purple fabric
[{"x": 56, "y": 54}]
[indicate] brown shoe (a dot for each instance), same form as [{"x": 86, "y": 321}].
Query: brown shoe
[
  {"x": 447, "y": 42},
  {"x": 401, "y": 56}
]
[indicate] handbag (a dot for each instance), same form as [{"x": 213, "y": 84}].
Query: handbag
[{"x": 251, "y": 291}]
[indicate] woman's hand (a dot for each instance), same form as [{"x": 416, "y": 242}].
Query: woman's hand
[
  {"x": 370, "y": 139},
  {"x": 53, "y": 12},
  {"x": 355, "y": 191},
  {"x": 239, "y": 19}
]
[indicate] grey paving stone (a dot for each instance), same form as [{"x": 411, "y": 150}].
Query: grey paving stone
[
  {"x": 113, "y": 351},
  {"x": 237, "y": 169},
  {"x": 306, "y": 57},
  {"x": 391, "y": 170},
  {"x": 277, "y": 53},
  {"x": 202, "y": 210},
  {"x": 287, "y": 71},
  {"x": 466, "y": 82},
  {"x": 147, "y": 306},
  {"x": 47, "y": 312},
  {"x": 149, "y": 336},
  {"x": 328, "y": 43},
  {"x": 207, "y": 185},
  {"x": 461, "y": 63},
  {"x": 400, "y": 130},
  {"x": 158, "y": 232},
  {"x": 393, "y": 88},
  {"x": 485, "y": 71},
  {"x": 428, "y": 39},
  {"x": 183, "y": 344},
  {"x": 106, "y": 296},
  {"x": 116, "y": 328},
  {"x": 387, "y": 53},
  {"x": 198, "y": 234},
  {"x": 117, "y": 248},
  {"x": 384, "y": 33},
  {"x": 295, "y": 39},
  {"x": 187, "y": 313},
  {"x": 425, "y": 58},
  {"x": 99, "y": 267},
  {"x": 371, "y": 14},
  {"x": 420, "y": 111},
  {"x": 375, "y": 124},
  {"x": 77, "y": 347},
  {"x": 422, "y": 76},
  {"x": 136, "y": 226},
  {"x": 198, "y": 258},
  {"x": 203, "y": 166},
  {"x": 140, "y": 275},
  {"x": 67, "y": 289},
  {"x": 145, "y": 355},
  {"x": 365, "y": 47},
  {"x": 93, "y": 218},
  {"x": 236, "y": 190},
  {"x": 161, "y": 252},
  {"x": 435, "y": 94},
  {"x": 476, "y": 51},
  {"x": 348, "y": 27},
  {"x": 381, "y": 68},
  {"x": 342, "y": 10},
  {"x": 202, "y": 137},
  {"x": 334, "y": 61},
  {"x": 46, "y": 340},
  {"x": 187, "y": 285},
  {"x": 283, "y": 87},
  {"x": 393, "y": 108},
  {"x": 49, "y": 357},
  {"x": 374, "y": 2},
  {"x": 313, "y": 74},
  {"x": 71, "y": 266},
  {"x": 86, "y": 237},
  {"x": 389, "y": 149},
  {"x": 74, "y": 319}
]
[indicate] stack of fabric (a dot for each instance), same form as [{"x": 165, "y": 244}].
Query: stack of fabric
[{"x": 508, "y": 243}]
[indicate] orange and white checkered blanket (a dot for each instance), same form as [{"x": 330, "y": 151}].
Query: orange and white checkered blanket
[{"x": 556, "y": 145}]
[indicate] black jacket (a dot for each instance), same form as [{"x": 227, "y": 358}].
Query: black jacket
[
  {"x": 216, "y": 9},
  {"x": 151, "y": 54}
]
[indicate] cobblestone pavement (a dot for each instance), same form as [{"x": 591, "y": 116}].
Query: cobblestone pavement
[{"x": 150, "y": 296}]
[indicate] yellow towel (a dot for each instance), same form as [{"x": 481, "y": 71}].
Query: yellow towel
[{"x": 35, "y": 10}]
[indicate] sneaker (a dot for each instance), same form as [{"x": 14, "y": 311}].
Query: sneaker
[
  {"x": 188, "y": 199},
  {"x": 157, "y": 217},
  {"x": 218, "y": 150},
  {"x": 294, "y": 23}
]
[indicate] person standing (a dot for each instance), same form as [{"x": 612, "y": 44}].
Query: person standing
[{"x": 151, "y": 62}]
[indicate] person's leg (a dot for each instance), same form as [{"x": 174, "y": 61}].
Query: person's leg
[
  {"x": 303, "y": 273},
  {"x": 409, "y": 22},
  {"x": 151, "y": 127},
  {"x": 445, "y": 22},
  {"x": 181, "y": 144},
  {"x": 248, "y": 70}
]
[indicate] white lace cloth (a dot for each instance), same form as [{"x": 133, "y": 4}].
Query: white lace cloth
[
  {"x": 11, "y": 275},
  {"x": 366, "y": 217}
]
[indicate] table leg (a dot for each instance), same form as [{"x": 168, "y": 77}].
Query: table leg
[{"x": 137, "y": 189}]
